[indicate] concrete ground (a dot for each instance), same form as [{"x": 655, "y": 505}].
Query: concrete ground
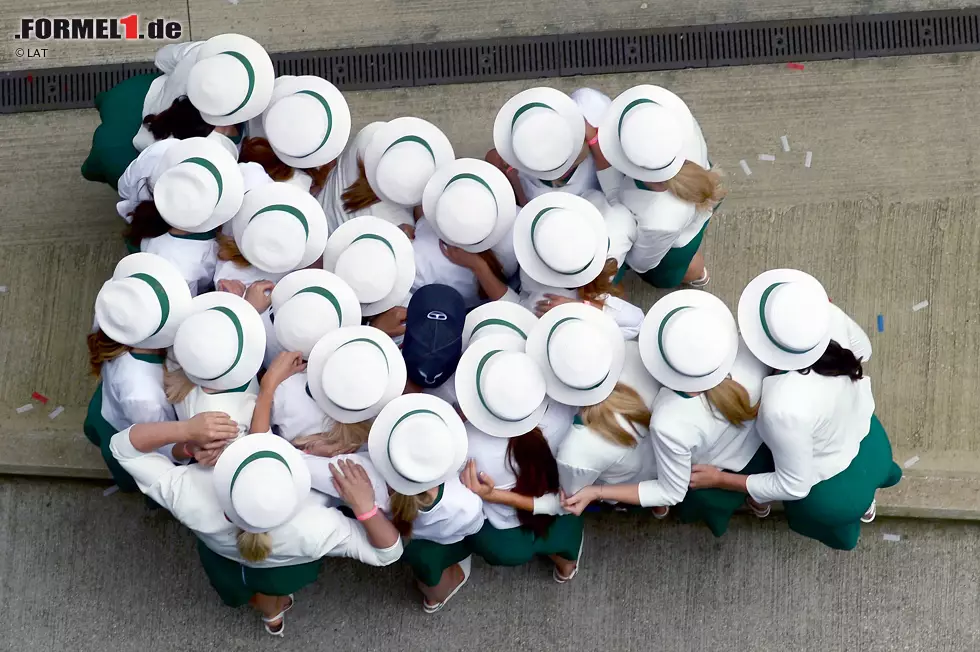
[{"x": 85, "y": 573}]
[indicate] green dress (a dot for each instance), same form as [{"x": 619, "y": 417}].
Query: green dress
[
  {"x": 429, "y": 559},
  {"x": 100, "y": 432},
  {"x": 517, "y": 546},
  {"x": 237, "y": 583}
]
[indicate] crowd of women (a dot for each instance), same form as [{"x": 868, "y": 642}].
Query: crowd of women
[{"x": 325, "y": 345}]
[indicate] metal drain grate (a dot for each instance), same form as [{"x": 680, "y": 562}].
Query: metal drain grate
[{"x": 423, "y": 64}]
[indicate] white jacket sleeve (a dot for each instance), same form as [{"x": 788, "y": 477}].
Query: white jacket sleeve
[
  {"x": 673, "y": 468},
  {"x": 322, "y": 478},
  {"x": 625, "y": 314},
  {"x": 609, "y": 180},
  {"x": 792, "y": 454},
  {"x": 169, "y": 56},
  {"x": 331, "y": 534},
  {"x": 849, "y": 334},
  {"x": 620, "y": 225},
  {"x": 549, "y": 504},
  {"x": 650, "y": 246}
]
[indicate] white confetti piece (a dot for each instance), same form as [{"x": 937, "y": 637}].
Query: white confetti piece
[
  {"x": 919, "y": 306},
  {"x": 234, "y": 2},
  {"x": 55, "y": 412},
  {"x": 3, "y": 289},
  {"x": 643, "y": 6},
  {"x": 111, "y": 490},
  {"x": 893, "y": 537},
  {"x": 808, "y": 159},
  {"x": 745, "y": 167},
  {"x": 766, "y": 157},
  {"x": 784, "y": 141},
  {"x": 25, "y": 408},
  {"x": 910, "y": 462}
]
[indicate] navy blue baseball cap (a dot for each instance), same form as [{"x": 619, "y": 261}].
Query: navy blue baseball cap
[{"x": 433, "y": 334}]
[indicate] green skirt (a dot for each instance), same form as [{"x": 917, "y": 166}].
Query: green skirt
[
  {"x": 236, "y": 583},
  {"x": 832, "y": 511},
  {"x": 429, "y": 559},
  {"x": 100, "y": 432},
  {"x": 716, "y": 506},
  {"x": 517, "y": 545},
  {"x": 671, "y": 270}
]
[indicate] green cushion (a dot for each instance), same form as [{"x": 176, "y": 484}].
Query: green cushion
[{"x": 121, "y": 110}]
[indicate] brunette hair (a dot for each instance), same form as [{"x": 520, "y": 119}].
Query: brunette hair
[
  {"x": 146, "y": 222},
  {"x": 531, "y": 460},
  {"x": 102, "y": 349},
  {"x": 496, "y": 268},
  {"x": 254, "y": 546},
  {"x": 258, "y": 150},
  {"x": 359, "y": 195},
  {"x": 837, "y": 361},
  {"x": 624, "y": 402},
  {"x": 180, "y": 120},
  {"x": 228, "y": 251},
  {"x": 596, "y": 290},
  {"x": 696, "y": 185},
  {"x": 405, "y": 509},
  {"x": 730, "y": 400}
]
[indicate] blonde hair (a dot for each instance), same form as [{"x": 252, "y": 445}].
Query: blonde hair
[
  {"x": 731, "y": 401},
  {"x": 696, "y": 185},
  {"x": 228, "y": 251},
  {"x": 254, "y": 546},
  {"x": 624, "y": 402},
  {"x": 176, "y": 385},
  {"x": 102, "y": 349},
  {"x": 602, "y": 287},
  {"x": 405, "y": 509}
]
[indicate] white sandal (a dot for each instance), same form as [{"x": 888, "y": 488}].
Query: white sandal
[
  {"x": 660, "y": 517},
  {"x": 759, "y": 513},
  {"x": 872, "y": 512},
  {"x": 467, "y": 566},
  {"x": 562, "y": 579},
  {"x": 280, "y": 616},
  {"x": 701, "y": 283}
]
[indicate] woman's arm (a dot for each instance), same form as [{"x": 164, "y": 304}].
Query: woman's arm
[
  {"x": 286, "y": 364},
  {"x": 492, "y": 286},
  {"x": 355, "y": 489},
  {"x": 483, "y": 486}
]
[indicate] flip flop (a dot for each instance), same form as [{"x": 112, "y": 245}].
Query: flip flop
[
  {"x": 282, "y": 626},
  {"x": 872, "y": 512},
  {"x": 467, "y": 566},
  {"x": 561, "y": 579}
]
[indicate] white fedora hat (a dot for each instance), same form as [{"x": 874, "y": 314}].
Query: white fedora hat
[
  {"x": 354, "y": 372},
  {"x": 307, "y": 122},
  {"x": 581, "y": 352},
  {"x": 261, "y": 481},
  {"x": 375, "y": 258},
  {"x": 688, "y": 340},
  {"x": 280, "y": 228},
  {"x": 143, "y": 303},
  {"x": 560, "y": 240},
  {"x": 221, "y": 344},
  {"x": 310, "y": 303},
  {"x": 500, "y": 388},
  {"x": 784, "y": 317},
  {"x": 417, "y": 442},
  {"x": 644, "y": 133},
  {"x": 232, "y": 80},
  {"x": 401, "y": 158},
  {"x": 470, "y": 204},
  {"x": 498, "y": 318},
  {"x": 539, "y": 131},
  {"x": 197, "y": 185}
]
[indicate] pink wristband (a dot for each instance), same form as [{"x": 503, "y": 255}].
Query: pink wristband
[
  {"x": 366, "y": 515},
  {"x": 595, "y": 139},
  {"x": 509, "y": 169}
]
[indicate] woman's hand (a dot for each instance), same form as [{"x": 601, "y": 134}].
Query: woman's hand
[
  {"x": 551, "y": 301},
  {"x": 259, "y": 294},
  {"x": 322, "y": 446},
  {"x": 210, "y": 430},
  {"x": 408, "y": 229},
  {"x": 460, "y": 257},
  {"x": 286, "y": 364},
  {"x": 232, "y": 286},
  {"x": 576, "y": 504},
  {"x": 354, "y": 486},
  {"x": 476, "y": 481},
  {"x": 705, "y": 476},
  {"x": 391, "y": 321},
  {"x": 208, "y": 457}
]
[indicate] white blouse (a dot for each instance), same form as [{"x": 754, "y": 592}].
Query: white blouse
[
  {"x": 187, "y": 492},
  {"x": 582, "y": 181},
  {"x": 295, "y": 413},
  {"x": 194, "y": 254},
  {"x": 687, "y": 431},
  {"x": 175, "y": 62},
  {"x": 813, "y": 424},
  {"x": 132, "y": 392},
  {"x": 238, "y": 404}
]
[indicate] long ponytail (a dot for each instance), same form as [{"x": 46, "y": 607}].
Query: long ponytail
[
  {"x": 405, "y": 509},
  {"x": 531, "y": 460},
  {"x": 102, "y": 349},
  {"x": 228, "y": 251},
  {"x": 146, "y": 223},
  {"x": 730, "y": 400},
  {"x": 359, "y": 195},
  {"x": 254, "y": 547},
  {"x": 837, "y": 361},
  {"x": 697, "y": 186},
  {"x": 180, "y": 120},
  {"x": 258, "y": 150},
  {"x": 625, "y": 403},
  {"x": 602, "y": 287}
]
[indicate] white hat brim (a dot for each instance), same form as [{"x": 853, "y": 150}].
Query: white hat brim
[
  {"x": 381, "y": 434},
  {"x": 529, "y": 260},
  {"x": 652, "y": 356},
  {"x": 233, "y": 184},
  {"x": 253, "y": 340},
  {"x": 537, "y": 348},
  {"x": 350, "y": 230},
  {"x": 513, "y": 315},
  {"x": 289, "y": 285},
  {"x": 502, "y": 191},
  {"x": 340, "y": 125},
  {"x": 174, "y": 286},
  {"x": 637, "y": 376},
  {"x": 750, "y": 323},
  {"x": 387, "y": 134},
  {"x": 612, "y": 146},
  {"x": 469, "y": 399},
  {"x": 397, "y": 372},
  {"x": 562, "y": 104},
  {"x": 262, "y": 67},
  {"x": 280, "y": 192},
  {"x": 239, "y": 451}
]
